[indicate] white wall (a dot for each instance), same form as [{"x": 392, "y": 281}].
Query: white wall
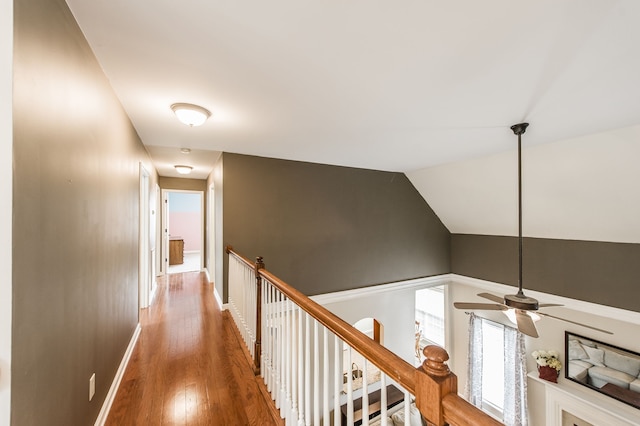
[
  {"x": 6, "y": 177},
  {"x": 392, "y": 305},
  {"x": 624, "y": 324},
  {"x": 576, "y": 189},
  {"x": 391, "y": 312}
]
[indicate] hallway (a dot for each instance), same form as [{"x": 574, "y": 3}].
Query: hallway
[{"x": 188, "y": 367}]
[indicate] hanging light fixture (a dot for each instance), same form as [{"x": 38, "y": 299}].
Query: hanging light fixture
[
  {"x": 191, "y": 115},
  {"x": 183, "y": 170},
  {"x": 519, "y": 308}
]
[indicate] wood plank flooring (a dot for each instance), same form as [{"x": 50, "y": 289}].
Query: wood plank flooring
[{"x": 188, "y": 367}]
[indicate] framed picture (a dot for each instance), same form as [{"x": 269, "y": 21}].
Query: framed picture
[{"x": 605, "y": 368}]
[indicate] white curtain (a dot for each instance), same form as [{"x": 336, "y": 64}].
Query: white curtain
[
  {"x": 473, "y": 391},
  {"x": 515, "y": 375},
  {"x": 515, "y": 372}
]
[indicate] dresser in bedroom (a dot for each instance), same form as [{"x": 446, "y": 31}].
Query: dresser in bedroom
[{"x": 176, "y": 251}]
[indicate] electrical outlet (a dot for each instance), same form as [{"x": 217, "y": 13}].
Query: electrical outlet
[{"x": 92, "y": 386}]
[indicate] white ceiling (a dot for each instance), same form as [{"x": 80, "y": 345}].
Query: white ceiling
[
  {"x": 165, "y": 159},
  {"x": 399, "y": 86},
  {"x": 587, "y": 188}
]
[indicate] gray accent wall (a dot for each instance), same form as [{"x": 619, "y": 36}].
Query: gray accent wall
[
  {"x": 327, "y": 228},
  {"x": 598, "y": 272},
  {"x": 75, "y": 222},
  {"x": 183, "y": 184}
]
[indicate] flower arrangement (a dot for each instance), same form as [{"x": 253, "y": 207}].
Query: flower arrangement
[
  {"x": 548, "y": 359},
  {"x": 549, "y": 365}
]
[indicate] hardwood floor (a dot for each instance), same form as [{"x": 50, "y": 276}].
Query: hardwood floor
[{"x": 188, "y": 367}]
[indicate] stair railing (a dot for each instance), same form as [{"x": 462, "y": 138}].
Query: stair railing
[{"x": 301, "y": 349}]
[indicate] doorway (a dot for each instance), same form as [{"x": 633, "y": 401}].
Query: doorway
[
  {"x": 183, "y": 236},
  {"x": 146, "y": 242}
]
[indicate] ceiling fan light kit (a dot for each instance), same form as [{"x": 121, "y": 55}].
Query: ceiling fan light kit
[{"x": 519, "y": 308}]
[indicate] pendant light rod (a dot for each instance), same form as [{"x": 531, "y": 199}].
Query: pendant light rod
[{"x": 519, "y": 129}]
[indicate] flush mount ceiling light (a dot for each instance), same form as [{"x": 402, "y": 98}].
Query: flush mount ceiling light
[
  {"x": 183, "y": 170},
  {"x": 185, "y": 150},
  {"x": 191, "y": 115}
]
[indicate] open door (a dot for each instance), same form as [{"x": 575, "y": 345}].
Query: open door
[{"x": 183, "y": 231}]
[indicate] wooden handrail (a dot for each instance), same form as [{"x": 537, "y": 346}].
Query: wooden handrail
[
  {"x": 433, "y": 384},
  {"x": 391, "y": 364},
  {"x": 459, "y": 412},
  {"x": 249, "y": 263}
]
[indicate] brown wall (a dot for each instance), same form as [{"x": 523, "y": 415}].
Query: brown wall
[
  {"x": 183, "y": 184},
  {"x": 75, "y": 250},
  {"x": 598, "y": 272},
  {"x": 326, "y": 228}
]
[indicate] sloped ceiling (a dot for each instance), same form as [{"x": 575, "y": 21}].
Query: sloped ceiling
[
  {"x": 429, "y": 88},
  {"x": 587, "y": 188}
]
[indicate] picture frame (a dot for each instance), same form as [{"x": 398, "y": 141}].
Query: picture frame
[{"x": 605, "y": 368}]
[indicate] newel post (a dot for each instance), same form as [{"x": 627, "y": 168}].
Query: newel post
[
  {"x": 258, "y": 345},
  {"x": 434, "y": 381}
]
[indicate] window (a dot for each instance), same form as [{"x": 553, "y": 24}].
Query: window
[
  {"x": 493, "y": 367},
  {"x": 429, "y": 318},
  {"x": 497, "y": 373}
]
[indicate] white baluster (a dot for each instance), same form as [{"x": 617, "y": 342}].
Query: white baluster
[
  {"x": 349, "y": 387},
  {"x": 282, "y": 358},
  {"x": 269, "y": 336},
  {"x": 251, "y": 313},
  {"x": 307, "y": 372},
  {"x": 316, "y": 376},
  {"x": 337, "y": 366},
  {"x": 365, "y": 394},
  {"x": 325, "y": 384},
  {"x": 263, "y": 330},
  {"x": 383, "y": 398},
  {"x": 288, "y": 349},
  {"x": 278, "y": 347},
  {"x": 301, "y": 352},
  {"x": 294, "y": 364},
  {"x": 407, "y": 407},
  {"x": 275, "y": 338}
]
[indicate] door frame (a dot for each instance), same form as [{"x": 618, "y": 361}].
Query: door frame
[
  {"x": 145, "y": 283},
  {"x": 165, "y": 226}
]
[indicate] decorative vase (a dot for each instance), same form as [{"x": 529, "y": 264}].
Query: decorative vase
[{"x": 548, "y": 373}]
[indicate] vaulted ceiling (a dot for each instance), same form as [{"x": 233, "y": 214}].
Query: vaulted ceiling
[{"x": 428, "y": 88}]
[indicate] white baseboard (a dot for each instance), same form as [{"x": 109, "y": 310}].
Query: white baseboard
[
  {"x": 154, "y": 290},
  {"x": 111, "y": 395},
  {"x": 218, "y": 298}
]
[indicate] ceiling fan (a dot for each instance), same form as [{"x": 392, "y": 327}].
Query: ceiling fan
[{"x": 523, "y": 308}]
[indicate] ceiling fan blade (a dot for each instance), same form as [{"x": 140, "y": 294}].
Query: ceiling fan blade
[
  {"x": 548, "y": 305},
  {"x": 484, "y": 306},
  {"x": 573, "y": 322},
  {"x": 492, "y": 297},
  {"x": 526, "y": 324}
]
